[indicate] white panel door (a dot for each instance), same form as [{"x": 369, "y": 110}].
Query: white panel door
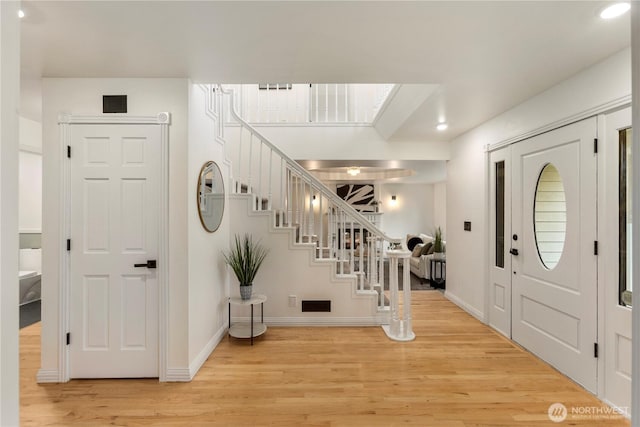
[
  {"x": 113, "y": 315},
  {"x": 617, "y": 318},
  {"x": 500, "y": 243},
  {"x": 555, "y": 305}
]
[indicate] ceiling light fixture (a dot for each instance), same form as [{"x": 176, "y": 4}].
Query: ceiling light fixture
[
  {"x": 615, "y": 10},
  {"x": 353, "y": 171},
  {"x": 20, "y": 13},
  {"x": 442, "y": 126}
]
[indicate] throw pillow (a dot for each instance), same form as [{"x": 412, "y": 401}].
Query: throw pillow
[
  {"x": 412, "y": 242},
  {"x": 430, "y": 251},
  {"x": 426, "y": 248},
  {"x": 417, "y": 250}
]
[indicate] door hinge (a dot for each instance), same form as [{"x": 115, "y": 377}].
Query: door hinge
[
  {"x": 68, "y": 151},
  {"x": 68, "y": 338},
  {"x": 595, "y": 145},
  {"x": 595, "y": 350},
  {"x": 68, "y": 244},
  {"x": 595, "y": 247}
]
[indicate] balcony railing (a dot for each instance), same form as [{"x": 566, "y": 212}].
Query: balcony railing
[{"x": 308, "y": 103}]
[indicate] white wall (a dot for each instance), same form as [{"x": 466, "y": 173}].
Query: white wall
[
  {"x": 290, "y": 270},
  {"x": 208, "y": 278},
  {"x": 145, "y": 97},
  {"x": 9, "y": 101},
  {"x": 413, "y": 212},
  {"x": 467, "y": 181},
  {"x": 440, "y": 207},
  {"x": 325, "y": 142},
  {"x": 30, "y": 176}
]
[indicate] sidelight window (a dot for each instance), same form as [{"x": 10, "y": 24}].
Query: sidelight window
[{"x": 625, "y": 216}]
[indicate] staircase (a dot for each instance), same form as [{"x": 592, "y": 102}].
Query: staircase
[{"x": 321, "y": 244}]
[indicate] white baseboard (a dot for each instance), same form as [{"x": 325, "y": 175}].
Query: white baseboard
[
  {"x": 317, "y": 321},
  {"x": 466, "y": 307},
  {"x": 48, "y": 376},
  {"x": 204, "y": 354},
  {"x": 178, "y": 375}
]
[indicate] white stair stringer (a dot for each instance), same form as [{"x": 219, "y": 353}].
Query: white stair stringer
[{"x": 292, "y": 269}]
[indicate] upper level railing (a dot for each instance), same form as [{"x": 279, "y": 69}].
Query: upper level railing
[{"x": 326, "y": 103}]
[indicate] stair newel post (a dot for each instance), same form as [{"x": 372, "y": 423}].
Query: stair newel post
[{"x": 399, "y": 328}]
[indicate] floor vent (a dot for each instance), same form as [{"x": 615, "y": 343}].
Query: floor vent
[{"x": 317, "y": 306}]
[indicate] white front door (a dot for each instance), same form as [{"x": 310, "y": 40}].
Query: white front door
[
  {"x": 555, "y": 268},
  {"x": 113, "y": 318}
]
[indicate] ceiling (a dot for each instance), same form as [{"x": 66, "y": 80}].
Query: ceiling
[{"x": 484, "y": 56}]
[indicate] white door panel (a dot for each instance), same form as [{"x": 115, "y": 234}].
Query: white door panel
[
  {"x": 114, "y": 225},
  {"x": 555, "y": 307}
]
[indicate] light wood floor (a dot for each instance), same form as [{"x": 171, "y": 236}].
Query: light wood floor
[{"x": 457, "y": 372}]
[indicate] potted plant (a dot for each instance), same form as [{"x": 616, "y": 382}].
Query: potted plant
[
  {"x": 438, "y": 246},
  {"x": 245, "y": 258}
]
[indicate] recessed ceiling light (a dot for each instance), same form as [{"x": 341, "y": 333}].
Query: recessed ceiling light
[
  {"x": 615, "y": 10},
  {"x": 21, "y": 13},
  {"x": 442, "y": 126}
]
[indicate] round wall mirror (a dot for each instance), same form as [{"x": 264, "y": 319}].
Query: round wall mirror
[
  {"x": 550, "y": 216},
  {"x": 210, "y": 196}
]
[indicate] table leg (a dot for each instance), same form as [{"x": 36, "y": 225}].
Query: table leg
[
  {"x": 251, "y": 324},
  {"x": 229, "y": 330},
  {"x": 261, "y": 312}
]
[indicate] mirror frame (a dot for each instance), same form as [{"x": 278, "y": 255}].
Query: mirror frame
[{"x": 204, "y": 168}]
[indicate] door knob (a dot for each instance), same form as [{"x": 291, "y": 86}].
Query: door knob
[
  {"x": 513, "y": 251},
  {"x": 149, "y": 264}
]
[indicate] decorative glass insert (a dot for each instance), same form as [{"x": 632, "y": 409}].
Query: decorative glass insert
[
  {"x": 500, "y": 214},
  {"x": 550, "y": 216},
  {"x": 625, "y": 173}
]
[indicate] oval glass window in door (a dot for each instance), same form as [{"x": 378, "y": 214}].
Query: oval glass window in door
[{"x": 550, "y": 216}]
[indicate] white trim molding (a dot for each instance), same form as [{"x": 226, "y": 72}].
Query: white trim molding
[
  {"x": 48, "y": 376},
  {"x": 163, "y": 120},
  {"x": 178, "y": 375},
  {"x": 607, "y": 107},
  {"x": 204, "y": 354}
]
